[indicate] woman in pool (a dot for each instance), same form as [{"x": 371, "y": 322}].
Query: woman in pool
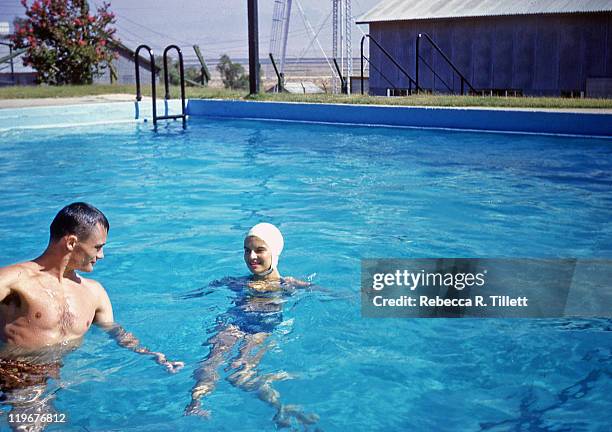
[{"x": 256, "y": 312}]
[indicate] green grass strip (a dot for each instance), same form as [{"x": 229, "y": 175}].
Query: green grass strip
[{"x": 42, "y": 91}]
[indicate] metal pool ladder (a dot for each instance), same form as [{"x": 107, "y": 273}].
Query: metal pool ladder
[{"x": 166, "y": 116}]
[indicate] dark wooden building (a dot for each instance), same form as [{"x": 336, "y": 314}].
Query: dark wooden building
[
  {"x": 123, "y": 67},
  {"x": 529, "y": 47}
]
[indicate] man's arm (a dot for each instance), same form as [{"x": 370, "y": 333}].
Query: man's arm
[{"x": 104, "y": 318}]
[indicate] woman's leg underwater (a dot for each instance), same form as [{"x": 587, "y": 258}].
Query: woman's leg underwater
[
  {"x": 246, "y": 377},
  {"x": 206, "y": 375}
]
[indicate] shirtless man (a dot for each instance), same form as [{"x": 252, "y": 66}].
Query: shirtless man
[{"x": 46, "y": 306}]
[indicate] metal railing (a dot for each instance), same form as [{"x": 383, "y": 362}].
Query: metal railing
[
  {"x": 138, "y": 91},
  {"x": 343, "y": 86},
  {"x": 183, "y": 115},
  {"x": 280, "y": 87},
  {"x": 10, "y": 59},
  {"x": 384, "y": 51},
  {"x": 450, "y": 63}
]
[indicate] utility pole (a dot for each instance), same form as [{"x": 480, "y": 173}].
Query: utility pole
[
  {"x": 348, "y": 20},
  {"x": 342, "y": 20},
  {"x": 253, "y": 48},
  {"x": 280, "y": 31},
  {"x": 335, "y": 20}
]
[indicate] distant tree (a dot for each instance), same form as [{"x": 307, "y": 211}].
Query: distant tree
[
  {"x": 194, "y": 74},
  {"x": 64, "y": 42},
  {"x": 232, "y": 74},
  {"x": 174, "y": 77}
]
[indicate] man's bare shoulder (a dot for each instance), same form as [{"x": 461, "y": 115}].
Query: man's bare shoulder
[
  {"x": 18, "y": 277},
  {"x": 15, "y": 272},
  {"x": 92, "y": 284},
  {"x": 99, "y": 297},
  {"x": 95, "y": 293}
]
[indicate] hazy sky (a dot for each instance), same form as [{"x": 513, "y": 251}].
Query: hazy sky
[{"x": 217, "y": 26}]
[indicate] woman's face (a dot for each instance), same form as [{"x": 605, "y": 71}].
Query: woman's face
[{"x": 257, "y": 256}]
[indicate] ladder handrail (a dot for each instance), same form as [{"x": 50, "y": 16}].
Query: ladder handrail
[
  {"x": 181, "y": 78},
  {"x": 437, "y": 75},
  {"x": 410, "y": 79},
  {"x": 450, "y": 63},
  {"x": 153, "y": 82},
  {"x": 381, "y": 74},
  {"x": 137, "y": 65}
]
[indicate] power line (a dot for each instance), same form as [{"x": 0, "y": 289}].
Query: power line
[
  {"x": 155, "y": 31},
  {"x": 217, "y": 47},
  {"x": 146, "y": 28}
]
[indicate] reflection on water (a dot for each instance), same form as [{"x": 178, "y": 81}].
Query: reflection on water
[
  {"x": 25, "y": 387},
  {"x": 537, "y": 414}
]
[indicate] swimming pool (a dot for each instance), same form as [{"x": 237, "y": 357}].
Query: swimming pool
[{"x": 179, "y": 203}]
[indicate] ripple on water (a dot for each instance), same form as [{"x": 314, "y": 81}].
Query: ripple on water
[{"x": 179, "y": 203}]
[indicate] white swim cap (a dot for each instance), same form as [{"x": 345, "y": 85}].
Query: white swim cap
[{"x": 273, "y": 238}]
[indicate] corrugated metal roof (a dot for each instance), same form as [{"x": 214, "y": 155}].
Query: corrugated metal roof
[{"x": 402, "y": 10}]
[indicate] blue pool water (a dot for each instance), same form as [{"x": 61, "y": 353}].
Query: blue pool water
[{"x": 179, "y": 203}]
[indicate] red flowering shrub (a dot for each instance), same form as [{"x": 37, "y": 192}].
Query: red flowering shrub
[{"x": 64, "y": 42}]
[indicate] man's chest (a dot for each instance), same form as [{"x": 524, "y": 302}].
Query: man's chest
[{"x": 68, "y": 309}]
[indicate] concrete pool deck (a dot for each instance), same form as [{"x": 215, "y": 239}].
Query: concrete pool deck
[{"x": 40, "y": 102}]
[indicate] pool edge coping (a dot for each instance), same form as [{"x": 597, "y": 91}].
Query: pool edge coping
[
  {"x": 558, "y": 122},
  {"x": 499, "y": 120},
  {"x": 607, "y": 111},
  {"x": 54, "y": 102}
]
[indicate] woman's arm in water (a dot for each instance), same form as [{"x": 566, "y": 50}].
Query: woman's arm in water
[
  {"x": 291, "y": 284},
  {"x": 233, "y": 283},
  {"x": 104, "y": 318},
  {"x": 296, "y": 283}
]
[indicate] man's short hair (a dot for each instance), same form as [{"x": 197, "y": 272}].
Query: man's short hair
[{"x": 78, "y": 218}]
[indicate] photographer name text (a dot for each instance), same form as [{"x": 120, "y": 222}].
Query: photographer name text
[{"x": 437, "y": 301}]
